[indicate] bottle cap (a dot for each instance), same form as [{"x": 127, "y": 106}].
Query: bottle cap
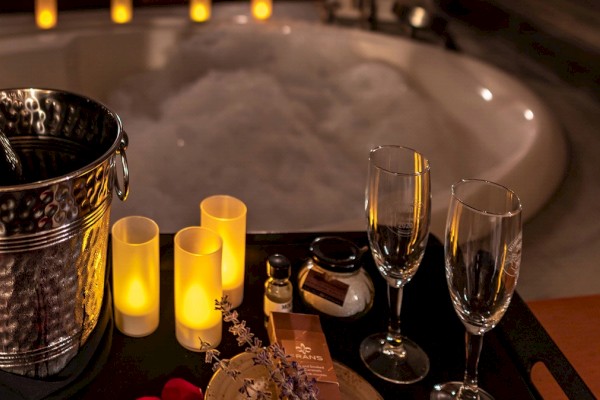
[{"x": 278, "y": 266}]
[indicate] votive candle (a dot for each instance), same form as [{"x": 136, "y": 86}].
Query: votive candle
[
  {"x": 226, "y": 215},
  {"x": 136, "y": 275},
  {"x": 261, "y": 9},
  {"x": 45, "y": 13},
  {"x": 121, "y": 11},
  {"x": 198, "y": 254},
  {"x": 200, "y": 10}
]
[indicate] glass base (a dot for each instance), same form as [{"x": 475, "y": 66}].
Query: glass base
[
  {"x": 410, "y": 368},
  {"x": 449, "y": 391}
]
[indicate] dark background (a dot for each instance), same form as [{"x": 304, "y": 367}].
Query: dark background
[
  {"x": 573, "y": 61},
  {"x": 28, "y": 6}
]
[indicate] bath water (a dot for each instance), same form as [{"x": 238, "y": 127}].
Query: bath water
[{"x": 286, "y": 128}]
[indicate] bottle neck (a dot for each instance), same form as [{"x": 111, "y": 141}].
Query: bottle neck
[{"x": 279, "y": 281}]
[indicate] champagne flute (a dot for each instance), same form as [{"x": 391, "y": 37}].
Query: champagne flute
[
  {"x": 398, "y": 207},
  {"x": 482, "y": 257}
]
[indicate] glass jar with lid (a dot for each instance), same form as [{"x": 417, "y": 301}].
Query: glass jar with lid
[{"x": 333, "y": 281}]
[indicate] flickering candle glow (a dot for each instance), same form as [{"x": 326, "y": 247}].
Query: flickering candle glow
[
  {"x": 136, "y": 298},
  {"x": 121, "y": 11},
  {"x": 226, "y": 215},
  {"x": 45, "y": 13},
  {"x": 136, "y": 275},
  {"x": 198, "y": 254},
  {"x": 200, "y": 10},
  {"x": 261, "y": 9}
]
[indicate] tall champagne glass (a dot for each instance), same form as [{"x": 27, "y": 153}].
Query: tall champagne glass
[
  {"x": 482, "y": 257},
  {"x": 398, "y": 207}
]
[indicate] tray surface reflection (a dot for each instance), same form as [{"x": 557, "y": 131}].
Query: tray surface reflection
[{"x": 141, "y": 366}]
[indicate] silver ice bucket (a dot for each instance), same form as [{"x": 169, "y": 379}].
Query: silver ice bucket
[{"x": 54, "y": 225}]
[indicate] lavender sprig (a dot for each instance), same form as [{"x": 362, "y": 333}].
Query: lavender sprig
[{"x": 289, "y": 376}]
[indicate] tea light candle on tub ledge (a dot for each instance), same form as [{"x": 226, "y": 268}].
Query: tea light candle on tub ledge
[
  {"x": 198, "y": 254},
  {"x": 136, "y": 275},
  {"x": 261, "y": 9},
  {"x": 121, "y": 11},
  {"x": 226, "y": 215},
  {"x": 45, "y": 13},
  {"x": 200, "y": 10}
]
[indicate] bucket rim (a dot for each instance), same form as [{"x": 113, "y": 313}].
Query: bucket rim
[{"x": 84, "y": 169}]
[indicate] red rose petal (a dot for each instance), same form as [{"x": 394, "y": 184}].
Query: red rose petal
[{"x": 180, "y": 389}]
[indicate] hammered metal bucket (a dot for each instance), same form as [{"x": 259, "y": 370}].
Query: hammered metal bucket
[{"x": 54, "y": 225}]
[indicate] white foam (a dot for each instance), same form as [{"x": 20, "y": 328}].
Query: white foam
[
  {"x": 286, "y": 129},
  {"x": 285, "y": 123}
]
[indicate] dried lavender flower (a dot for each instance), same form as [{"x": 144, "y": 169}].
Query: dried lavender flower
[{"x": 289, "y": 376}]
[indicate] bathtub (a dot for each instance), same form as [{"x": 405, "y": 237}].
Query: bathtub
[{"x": 282, "y": 114}]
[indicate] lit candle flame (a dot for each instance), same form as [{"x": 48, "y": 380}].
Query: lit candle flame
[
  {"x": 121, "y": 11},
  {"x": 196, "y": 308},
  {"x": 262, "y": 9},
  {"x": 200, "y": 10},
  {"x": 45, "y": 13},
  {"x": 137, "y": 298}
]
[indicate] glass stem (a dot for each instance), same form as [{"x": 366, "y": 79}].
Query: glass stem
[
  {"x": 474, "y": 343},
  {"x": 394, "y": 338}
]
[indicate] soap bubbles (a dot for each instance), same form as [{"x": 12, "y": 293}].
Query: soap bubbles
[{"x": 279, "y": 121}]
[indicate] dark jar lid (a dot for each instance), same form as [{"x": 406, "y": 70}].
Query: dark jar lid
[
  {"x": 278, "y": 266},
  {"x": 336, "y": 254}
]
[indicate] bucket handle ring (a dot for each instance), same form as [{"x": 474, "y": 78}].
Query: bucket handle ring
[{"x": 123, "y": 191}]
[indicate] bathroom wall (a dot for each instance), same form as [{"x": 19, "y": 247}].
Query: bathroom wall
[{"x": 563, "y": 35}]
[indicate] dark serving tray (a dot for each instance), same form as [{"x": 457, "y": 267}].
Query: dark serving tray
[{"x": 136, "y": 367}]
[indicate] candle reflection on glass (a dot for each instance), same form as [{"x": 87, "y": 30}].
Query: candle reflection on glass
[
  {"x": 136, "y": 275},
  {"x": 121, "y": 11},
  {"x": 45, "y": 13},
  {"x": 198, "y": 253},
  {"x": 200, "y": 10},
  {"x": 261, "y": 9},
  {"x": 226, "y": 215}
]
